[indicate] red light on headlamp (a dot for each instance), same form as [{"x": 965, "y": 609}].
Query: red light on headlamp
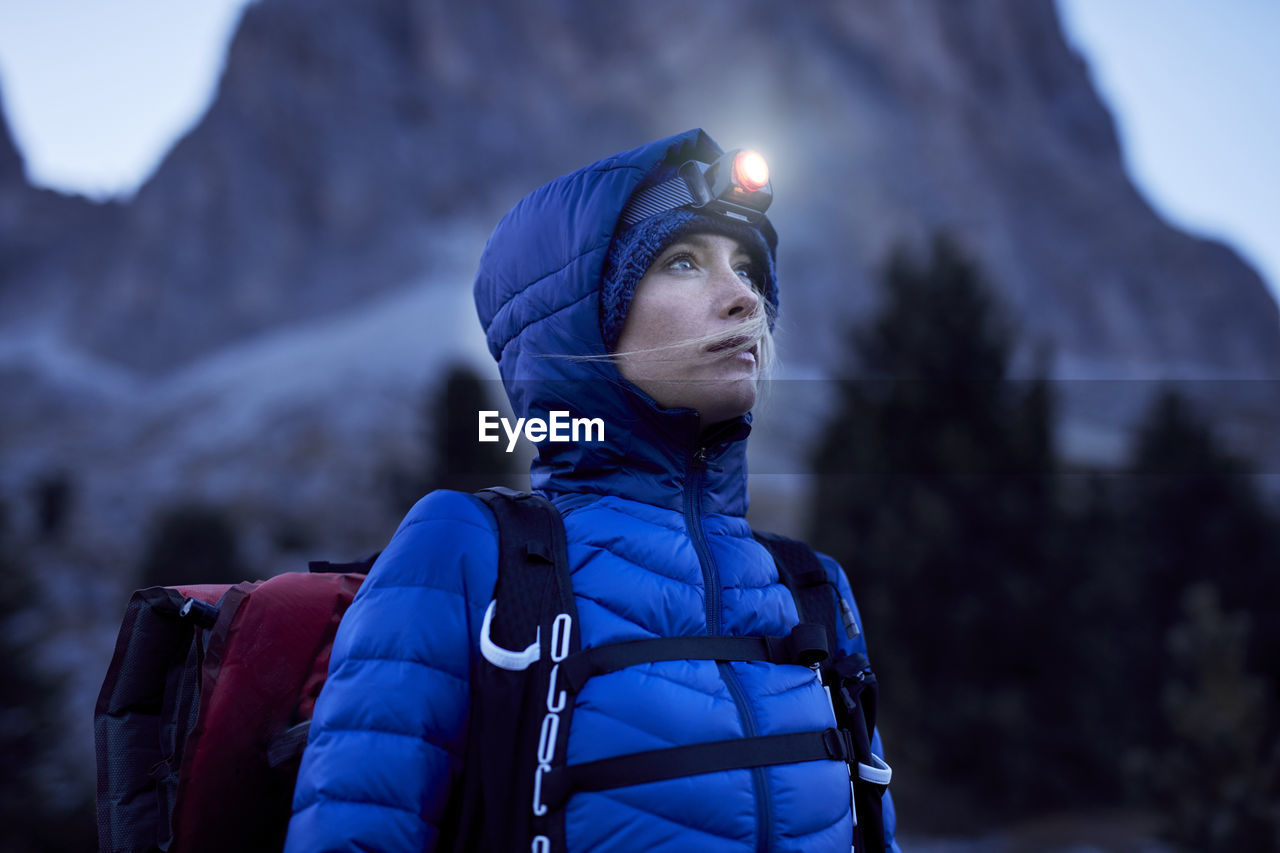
[{"x": 750, "y": 171}]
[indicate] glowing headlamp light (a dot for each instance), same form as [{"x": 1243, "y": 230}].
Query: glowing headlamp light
[
  {"x": 735, "y": 186},
  {"x": 750, "y": 171}
]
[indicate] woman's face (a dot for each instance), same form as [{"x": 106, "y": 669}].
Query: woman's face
[{"x": 700, "y": 285}]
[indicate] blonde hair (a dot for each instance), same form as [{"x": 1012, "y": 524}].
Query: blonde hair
[{"x": 753, "y": 332}]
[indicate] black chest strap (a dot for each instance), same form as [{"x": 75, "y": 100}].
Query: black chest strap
[
  {"x": 806, "y": 645},
  {"x": 675, "y": 762}
]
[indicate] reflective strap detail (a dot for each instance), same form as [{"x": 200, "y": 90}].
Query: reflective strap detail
[
  {"x": 539, "y": 804},
  {"x": 561, "y": 633},
  {"x": 654, "y": 200},
  {"x": 880, "y": 774},
  {"x": 547, "y": 738},
  {"x": 505, "y": 658},
  {"x": 805, "y": 646},
  {"x": 556, "y": 697},
  {"x": 676, "y": 762}
]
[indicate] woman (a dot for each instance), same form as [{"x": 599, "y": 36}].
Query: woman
[{"x": 655, "y": 317}]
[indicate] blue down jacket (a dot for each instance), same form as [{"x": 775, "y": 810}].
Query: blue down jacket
[{"x": 658, "y": 546}]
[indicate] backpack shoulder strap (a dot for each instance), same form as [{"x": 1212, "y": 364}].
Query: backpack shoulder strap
[
  {"x": 848, "y": 678},
  {"x": 814, "y": 589},
  {"x": 529, "y": 627},
  {"x": 533, "y": 566}
]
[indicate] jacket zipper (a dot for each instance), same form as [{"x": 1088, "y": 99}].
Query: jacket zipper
[
  {"x": 711, "y": 587},
  {"x": 764, "y": 808},
  {"x": 693, "y": 521}
]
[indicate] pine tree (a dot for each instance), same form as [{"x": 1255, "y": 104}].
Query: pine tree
[
  {"x": 452, "y": 457},
  {"x": 1201, "y": 582},
  {"x": 1218, "y": 784},
  {"x": 1197, "y": 514},
  {"x": 936, "y": 495},
  {"x": 192, "y": 543},
  {"x": 30, "y": 700}
]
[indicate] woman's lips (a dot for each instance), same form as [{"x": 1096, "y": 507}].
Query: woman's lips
[{"x": 730, "y": 344}]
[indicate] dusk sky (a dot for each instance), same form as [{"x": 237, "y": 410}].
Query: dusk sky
[{"x": 96, "y": 94}]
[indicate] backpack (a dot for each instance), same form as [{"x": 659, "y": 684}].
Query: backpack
[
  {"x": 204, "y": 712},
  {"x": 192, "y": 726}
]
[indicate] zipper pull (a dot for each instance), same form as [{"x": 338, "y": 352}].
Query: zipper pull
[{"x": 700, "y": 457}]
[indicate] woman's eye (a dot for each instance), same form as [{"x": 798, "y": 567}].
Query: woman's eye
[
  {"x": 746, "y": 274},
  {"x": 680, "y": 262}
]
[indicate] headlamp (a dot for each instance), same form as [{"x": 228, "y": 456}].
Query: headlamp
[{"x": 735, "y": 186}]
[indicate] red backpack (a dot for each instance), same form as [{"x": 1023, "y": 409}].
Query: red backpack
[{"x": 197, "y": 727}]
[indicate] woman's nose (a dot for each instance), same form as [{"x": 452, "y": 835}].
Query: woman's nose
[{"x": 740, "y": 298}]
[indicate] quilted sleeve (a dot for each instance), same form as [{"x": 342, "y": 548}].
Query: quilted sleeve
[
  {"x": 387, "y": 738},
  {"x": 859, "y": 644}
]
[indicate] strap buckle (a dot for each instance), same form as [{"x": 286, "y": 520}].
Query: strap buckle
[{"x": 839, "y": 744}]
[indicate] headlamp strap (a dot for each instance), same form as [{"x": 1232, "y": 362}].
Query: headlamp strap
[{"x": 656, "y": 199}]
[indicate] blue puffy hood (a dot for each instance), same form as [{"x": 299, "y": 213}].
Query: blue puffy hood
[{"x": 537, "y": 293}]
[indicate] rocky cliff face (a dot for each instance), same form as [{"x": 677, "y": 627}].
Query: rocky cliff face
[
  {"x": 10, "y": 159},
  {"x": 34, "y": 229},
  {"x": 341, "y": 136}
]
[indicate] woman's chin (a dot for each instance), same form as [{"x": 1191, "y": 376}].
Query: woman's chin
[{"x": 728, "y": 400}]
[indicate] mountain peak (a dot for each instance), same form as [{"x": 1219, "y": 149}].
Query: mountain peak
[{"x": 12, "y": 168}]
